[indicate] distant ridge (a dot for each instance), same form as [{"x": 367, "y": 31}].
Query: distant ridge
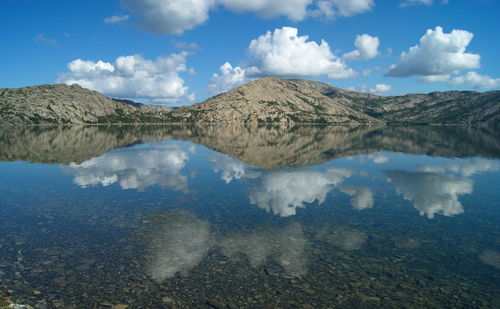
[{"x": 266, "y": 100}]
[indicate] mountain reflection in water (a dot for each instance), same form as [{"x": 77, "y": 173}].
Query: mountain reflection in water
[
  {"x": 235, "y": 216},
  {"x": 280, "y": 190},
  {"x": 264, "y": 147}
]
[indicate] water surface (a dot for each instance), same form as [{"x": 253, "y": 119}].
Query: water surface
[{"x": 261, "y": 217}]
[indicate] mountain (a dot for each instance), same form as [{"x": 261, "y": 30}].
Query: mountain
[
  {"x": 450, "y": 107},
  {"x": 266, "y": 100},
  {"x": 62, "y": 104},
  {"x": 275, "y": 100}
]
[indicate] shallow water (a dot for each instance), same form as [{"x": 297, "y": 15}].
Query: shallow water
[{"x": 236, "y": 217}]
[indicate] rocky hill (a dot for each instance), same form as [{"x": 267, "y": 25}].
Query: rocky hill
[
  {"x": 274, "y": 100},
  {"x": 450, "y": 107},
  {"x": 267, "y": 100},
  {"x": 62, "y": 104}
]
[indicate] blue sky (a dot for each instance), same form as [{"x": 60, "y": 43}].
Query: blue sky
[{"x": 167, "y": 51}]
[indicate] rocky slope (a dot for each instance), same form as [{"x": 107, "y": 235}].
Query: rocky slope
[
  {"x": 274, "y": 100},
  {"x": 450, "y": 107},
  {"x": 267, "y": 100},
  {"x": 62, "y": 104}
]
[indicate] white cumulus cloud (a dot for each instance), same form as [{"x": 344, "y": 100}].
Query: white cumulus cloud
[
  {"x": 230, "y": 77},
  {"x": 131, "y": 77},
  {"x": 177, "y": 16},
  {"x": 476, "y": 81},
  {"x": 380, "y": 88},
  {"x": 293, "y": 9},
  {"x": 283, "y": 52},
  {"x": 332, "y": 9},
  {"x": 366, "y": 48},
  {"x": 360, "y": 88},
  {"x": 170, "y": 16},
  {"x": 438, "y": 53}
]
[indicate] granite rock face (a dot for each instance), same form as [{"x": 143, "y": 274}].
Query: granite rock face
[
  {"x": 269, "y": 100},
  {"x": 62, "y": 104},
  {"x": 274, "y": 100}
]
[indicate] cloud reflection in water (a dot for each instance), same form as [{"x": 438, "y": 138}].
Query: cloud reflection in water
[
  {"x": 431, "y": 193},
  {"x": 362, "y": 197},
  {"x": 134, "y": 168},
  {"x": 178, "y": 241},
  {"x": 285, "y": 246},
  {"x": 281, "y": 192},
  {"x": 230, "y": 167}
]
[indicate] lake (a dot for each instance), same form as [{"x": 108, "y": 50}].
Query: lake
[{"x": 250, "y": 217}]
